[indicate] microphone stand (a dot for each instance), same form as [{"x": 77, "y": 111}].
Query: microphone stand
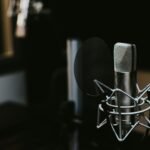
[
  {"x": 70, "y": 124},
  {"x": 74, "y": 93}
]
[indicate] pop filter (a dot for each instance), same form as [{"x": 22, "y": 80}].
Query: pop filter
[{"x": 93, "y": 61}]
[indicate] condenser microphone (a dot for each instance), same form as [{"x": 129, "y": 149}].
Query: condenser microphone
[
  {"x": 125, "y": 106},
  {"x": 125, "y": 60}
]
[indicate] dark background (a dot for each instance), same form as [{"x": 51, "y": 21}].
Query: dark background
[{"x": 42, "y": 54}]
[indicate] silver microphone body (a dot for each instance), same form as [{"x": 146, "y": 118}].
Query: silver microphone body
[{"x": 125, "y": 79}]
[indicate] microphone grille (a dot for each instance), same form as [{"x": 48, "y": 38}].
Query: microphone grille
[{"x": 124, "y": 57}]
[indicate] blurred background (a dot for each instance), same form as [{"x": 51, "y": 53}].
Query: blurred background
[{"x": 35, "y": 107}]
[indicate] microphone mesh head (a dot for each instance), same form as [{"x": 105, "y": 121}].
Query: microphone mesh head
[{"x": 124, "y": 57}]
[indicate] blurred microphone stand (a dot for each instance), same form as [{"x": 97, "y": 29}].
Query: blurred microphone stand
[
  {"x": 74, "y": 93},
  {"x": 71, "y": 110}
]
